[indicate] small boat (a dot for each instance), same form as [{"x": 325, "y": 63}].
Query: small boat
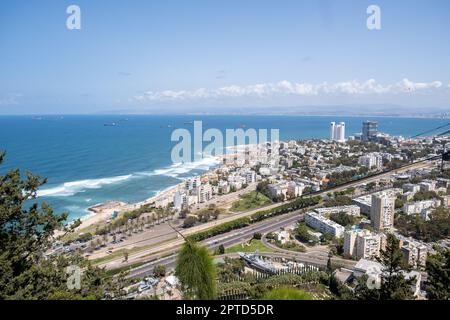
[{"x": 112, "y": 124}]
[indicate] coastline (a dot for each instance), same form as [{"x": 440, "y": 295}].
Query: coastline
[{"x": 104, "y": 211}]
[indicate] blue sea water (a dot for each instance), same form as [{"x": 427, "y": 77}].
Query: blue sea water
[{"x": 87, "y": 163}]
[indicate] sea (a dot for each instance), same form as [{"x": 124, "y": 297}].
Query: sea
[{"x": 89, "y": 160}]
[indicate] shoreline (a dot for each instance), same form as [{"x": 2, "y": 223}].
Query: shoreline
[{"x": 104, "y": 211}]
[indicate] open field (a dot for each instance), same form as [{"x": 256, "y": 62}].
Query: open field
[
  {"x": 249, "y": 201},
  {"x": 251, "y": 246}
]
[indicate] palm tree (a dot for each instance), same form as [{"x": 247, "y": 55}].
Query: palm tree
[{"x": 196, "y": 271}]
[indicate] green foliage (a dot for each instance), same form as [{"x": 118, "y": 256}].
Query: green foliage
[
  {"x": 159, "y": 270},
  {"x": 221, "y": 249},
  {"x": 289, "y": 245},
  {"x": 343, "y": 219},
  {"x": 438, "y": 269},
  {"x": 252, "y": 246},
  {"x": 196, "y": 271},
  {"x": 189, "y": 222},
  {"x": 435, "y": 229},
  {"x": 399, "y": 203},
  {"x": 250, "y": 201},
  {"x": 394, "y": 285},
  {"x": 222, "y": 228},
  {"x": 338, "y": 201},
  {"x": 26, "y": 231},
  {"x": 425, "y": 195},
  {"x": 287, "y": 294},
  {"x": 302, "y": 232},
  {"x": 341, "y": 291},
  {"x": 257, "y": 236},
  {"x": 256, "y": 217},
  {"x": 230, "y": 270}
]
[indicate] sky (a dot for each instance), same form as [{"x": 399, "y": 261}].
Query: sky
[{"x": 177, "y": 56}]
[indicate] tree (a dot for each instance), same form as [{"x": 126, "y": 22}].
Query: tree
[
  {"x": 26, "y": 234},
  {"x": 159, "y": 270},
  {"x": 257, "y": 236},
  {"x": 189, "y": 222},
  {"x": 343, "y": 219},
  {"x": 438, "y": 269},
  {"x": 393, "y": 284},
  {"x": 221, "y": 249},
  {"x": 329, "y": 265},
  {"x": 303, "y": 233},
  {"x": 196, "y": 271}
]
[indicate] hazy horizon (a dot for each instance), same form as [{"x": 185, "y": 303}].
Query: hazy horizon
[{"x": 218, "y": 57}]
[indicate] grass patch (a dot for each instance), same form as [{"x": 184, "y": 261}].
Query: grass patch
[
  {"x": 249, "y": 201},
  {"x": 254, "y": 245},
  {"x": 287, "y": 294}
]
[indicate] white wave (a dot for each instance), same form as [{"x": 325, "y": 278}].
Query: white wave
[
  {"x": 71, "y": 188},
  {"x": 182, "y": 168},
  {"x": 177, "y": 169}
]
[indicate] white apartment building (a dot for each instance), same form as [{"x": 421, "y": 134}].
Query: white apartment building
[
  {"x": 415, "y": 254},
  {"x": 352, "y": 210},
  {"x": 362, "y": 244},
  {"x": 337, "y": 131},
  {"x": 409, "y": 187},
  {"x": 428, "y": 185},
  {"x": 371, "y": 160},
  {"x": 204, "y": 193},
  {"x": 324, "y": 225},
  {"x": 193, "y": 183},
  {"x": 182, "y": 200},
  {"x": 419, "y": 206},
  {"x": 285, "y": 189},
  {"x": 382, "y": 211}
]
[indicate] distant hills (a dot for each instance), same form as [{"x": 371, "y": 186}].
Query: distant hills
[{"x": 386, "y": 110}]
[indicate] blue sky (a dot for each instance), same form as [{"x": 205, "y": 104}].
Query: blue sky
[{"x": 178, "y": 55}]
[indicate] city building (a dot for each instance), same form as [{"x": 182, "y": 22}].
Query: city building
[
  {"x": 324, "y": 225},
  {"x": 362, "y": 244},
  {"x": 286, "y": 189},
  {"x": 415, "y": 254},
  {"x": 419, "y": 206},
  {"x": 382, "y": 211},
  {"x": 337, "y": 131},
  {"x": 369, "y": 131},
  {"x": 352, "y": 210},
  {"x": 371, "y": 160}
]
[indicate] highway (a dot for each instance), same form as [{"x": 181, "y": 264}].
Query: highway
[
  {"x": 241, "y": 235},
  {"x": 317, "y": 258}
]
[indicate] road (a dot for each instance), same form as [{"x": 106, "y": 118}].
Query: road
[
  {"x": 235, "y": 236},
  {"x": 318, "y": 258}
]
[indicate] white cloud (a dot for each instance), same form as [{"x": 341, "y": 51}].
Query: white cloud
[{"x": 285, "y": 87}]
